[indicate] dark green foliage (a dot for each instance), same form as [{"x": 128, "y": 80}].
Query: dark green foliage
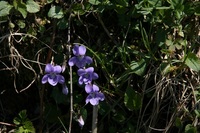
[
  {"x": 146, "y": 53},
  {"x": 24, "y": 125}
]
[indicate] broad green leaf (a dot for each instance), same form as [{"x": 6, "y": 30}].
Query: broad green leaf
[
  {"x": 22, "y": 114},
  {"x": 165, "y": 68},
  {"x": 94, "y": 2},
  {"x": 5, "y": 8},
  {"x": 21, "y": 24},
  {"x": 24, "y": 125},
  {"x": 56, "y": 12},
  {"x": 63, "y": 23},
  {"x": 21, "y": 7},
  {"x": 119, "y": 116},
  {"x": 138, "y": 67},
  {"x": 120, "y": 9},
  {"x": 58, "y": 96},
  {"x": 84, "y": 113},
  {"x": 189, "y": 128},
  {"x": 16, "y": 121},
  {"x": 123, "y": 3},
  {"x": 193, "y": 62},
  {"x": 49, "y": 1},
  {"x": 161, "y": 35},
  {"x": 169, "y": 42},
  {"x": 78, "y": 9},
  {"x": 51, "y": 113},
  {"x": 28, "y": 127},
  {"x": 197, "y": 9},
  {"x": 32, "y": 6},
  {"x": 132, "y": 99},
  {"x": 178, "y": 122}
]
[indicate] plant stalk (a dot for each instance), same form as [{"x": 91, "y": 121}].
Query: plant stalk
[
  {"x": 70, "y": 73},
  {"x": 94, "y": 119}
]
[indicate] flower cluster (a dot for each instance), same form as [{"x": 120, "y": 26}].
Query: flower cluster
[
  {"x": 86, "y": 75},
  {"x": 53, "y": 77}
]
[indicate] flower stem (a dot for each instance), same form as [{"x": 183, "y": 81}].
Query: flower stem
[
  {"x": 71, "y": 100},
  {"x": 70, "y": 73},
  {"x": 94, "y": 119}
]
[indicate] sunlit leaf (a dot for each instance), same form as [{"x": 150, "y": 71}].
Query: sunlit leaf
[
  {"x": 56, "y": 12},
  {"x": 21, "y": 7},
  {"x": 94, "y": 2},
  {"x": 5, "y": 8},
  {"x": 193, "y": 62},
  {"x": 21, "y": 24},
  {"x": 32, "y": 6},
  {"x": 24, "y": 125},
  {"x": 190, "y": 129},
  {"x": 138, "y": 67}
]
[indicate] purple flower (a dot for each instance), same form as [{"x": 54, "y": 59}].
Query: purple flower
[
  {"x": 94, "y": 94},
  {"x": 65, "y": 89},
  {"x": 53, "y": 75},
  {"x": 87, "y": 75},
  {"x": 81, "y": 121},
  {"x": 80, "y": 60}
]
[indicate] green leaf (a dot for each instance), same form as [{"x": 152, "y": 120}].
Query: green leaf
[
  {"x": 32, "y": 6},
  {"x": 56, "y": 12},
  {"x": 190, "y": 129},
  {"x": 24, "y": 125},
  {"x": 16, "y": 121},
  {"x": 49, "y": 1},
  {"x": 178, "y": 122},
  {"x": 21, "y": 7},
  {"x": 5, "y": 8},
  {"x": 62, "y": 24},
  {"x": 169, "y": 42},
  {"x": 94, "y": 2},
  {"x": 193, "y": 62},
  {"x": 21, "y": 24},
  {"x": 123, "y": 3},
  {"x": 84, "y": 113},
  {"x": 138, "y": 67},
  {"x": 78, "y": 9},
  {"x": 58, "y": 96},
  {"x": 197, "y": 9},
  {"x": 52, "y": 113},
  {"x": 22, "y": 114},
  {"x": 119, "y": 116},
  {"x": 161, "y": 36},
  {"x": 28, "y": 127},
  {"x": 165, "y": 68},
  {"x": 132, "y": 99}
]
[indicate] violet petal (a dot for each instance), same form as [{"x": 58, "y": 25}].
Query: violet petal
[
  {"x": 82, "y": 50},
  {"x": 94, "y": 101},
  {"x": 72, "y": 61},
  {"x": 57, "y": 69},
  {"x": 53, "y": 81},
  {"x": 45, "y": 78},
  {"x": 60, "y": 79},
  {"x": 95, "y": 88},
  {"x": 88, "y": 88},
  {"x": 48, "y": 68},
  {"x": 81, "y": 72}
]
